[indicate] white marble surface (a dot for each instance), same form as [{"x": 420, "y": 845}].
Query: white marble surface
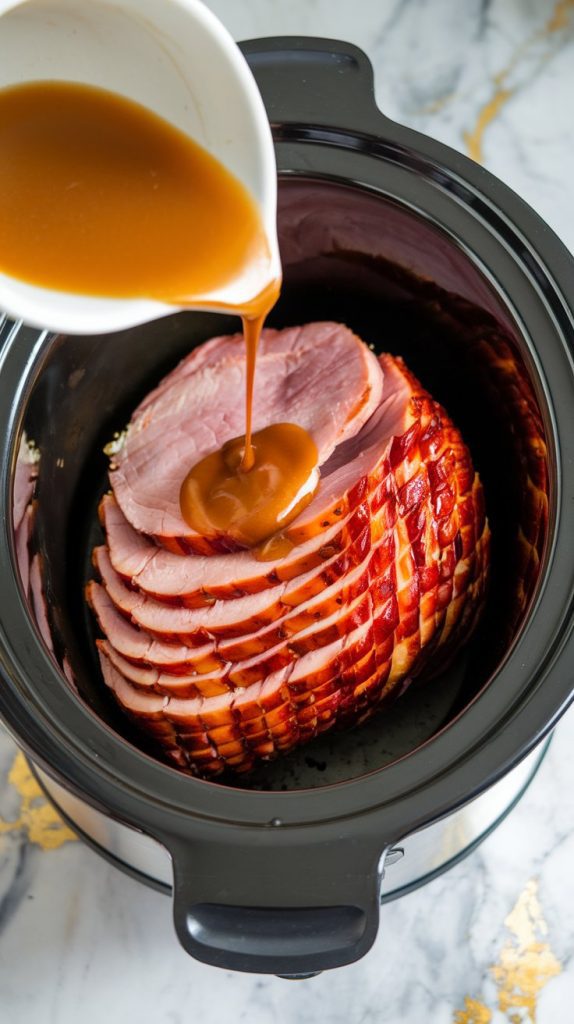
[{"x": 79, "y": 942}]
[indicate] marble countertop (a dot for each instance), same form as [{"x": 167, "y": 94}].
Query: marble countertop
[{"x": 492, "y": 940}]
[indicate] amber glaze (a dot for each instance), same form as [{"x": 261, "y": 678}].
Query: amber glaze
[
  {"x": 99, "y": 196},
  {"x": 219, "y": 497},
  {"x": 255, "y": 485},
  {"x": 253, "y": 317}
]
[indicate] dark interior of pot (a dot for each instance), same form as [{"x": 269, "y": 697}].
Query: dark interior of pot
[{"x": 404, "y": 287}]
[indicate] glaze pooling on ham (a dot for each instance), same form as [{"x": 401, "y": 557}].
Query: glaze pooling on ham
[
  {"x": 320, "y": 377},
  {"x": 226, "y": 660}
]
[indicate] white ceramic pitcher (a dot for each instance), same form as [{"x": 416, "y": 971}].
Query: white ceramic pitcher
[{"x": 177, "y": 59}]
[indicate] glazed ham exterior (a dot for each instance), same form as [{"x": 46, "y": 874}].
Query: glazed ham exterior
[{"x": 226, "y": 660}]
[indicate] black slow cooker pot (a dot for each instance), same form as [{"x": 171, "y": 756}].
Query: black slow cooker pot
[{"x": 425, "y": 254}]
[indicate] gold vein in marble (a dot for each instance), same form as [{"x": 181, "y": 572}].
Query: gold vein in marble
[
  {"x": 526, "y": 962},
  {"x": 435, "y": 106},
  {"x": 560, "y": 17},
  {"x": 486, "y": 115},
  {"x": 558, "y": 22},
  {"x": 37, "y": 818},
  {"x": 525, "y": 966},
  {"x": 474, "y": 1013}
]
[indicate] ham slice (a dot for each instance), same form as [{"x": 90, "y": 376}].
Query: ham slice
[
  {"x": 198, "y": 581},
  {"x": 25, "y": 475},
  {"x": 38, "y": 600},
  {"x": 23, "y": 538},
  {"x": 226, "y": 660},
  {"x": 321, "y": 377},
  {"x": 232, "y": 624}
]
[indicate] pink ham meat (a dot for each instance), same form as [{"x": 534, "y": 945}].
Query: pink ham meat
[
  {"x": 195, "y": 582},
  {"x": 25, "y": 475},
  {"x": 226, "y": 660},
  {"x": 23, "y": 538},
  {"x": 246, "y": 621},
  {"x": 320, "y": 376}
]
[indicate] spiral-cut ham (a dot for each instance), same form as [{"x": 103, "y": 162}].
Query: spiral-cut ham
[{"x": 226, "y": 660}]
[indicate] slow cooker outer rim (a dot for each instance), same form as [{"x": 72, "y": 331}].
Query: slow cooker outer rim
[
  {"x": 68, "y": 775},
  {"x": 477, "y": 768}
]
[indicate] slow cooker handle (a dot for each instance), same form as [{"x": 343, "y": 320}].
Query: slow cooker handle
[
  {"x": 276, "y": 904},
  {"x": 315, "y": 82}
]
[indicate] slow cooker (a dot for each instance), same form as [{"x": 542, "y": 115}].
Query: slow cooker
[{"x": 424, "y": 254}]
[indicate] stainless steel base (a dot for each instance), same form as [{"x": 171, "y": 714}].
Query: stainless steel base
[{"x": 418, "y": 858}]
